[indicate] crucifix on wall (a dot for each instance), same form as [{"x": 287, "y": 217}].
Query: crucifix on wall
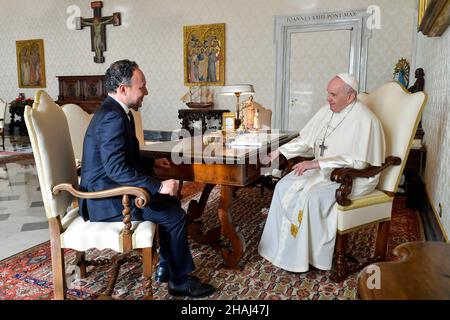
[{"x": 98, "y": 29}]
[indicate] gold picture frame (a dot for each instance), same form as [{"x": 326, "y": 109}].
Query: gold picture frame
[
  {"x": 228, "y": 121},
  {"x": 31, "y": 63},
  {"x": 204, "y": 55},
  {"x": 422, "y": 7},
  {"x": 433, "y": 17}
]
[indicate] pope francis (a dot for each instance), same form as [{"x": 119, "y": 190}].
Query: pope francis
[{"x": 301, "y": 225}]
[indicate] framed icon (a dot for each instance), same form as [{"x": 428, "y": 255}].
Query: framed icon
[
  {"x": 204, "y": 55},
  {"x": 228, "y": 121},
  {"x": 31, "y": 63}
]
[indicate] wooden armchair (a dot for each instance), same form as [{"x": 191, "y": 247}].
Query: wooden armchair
[
  {"x": 78, "y": 120},
  {"x": 55, "y": 162},
  {"x": 399, "y": 112}
]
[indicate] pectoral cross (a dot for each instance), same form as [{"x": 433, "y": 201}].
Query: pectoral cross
[
  {"x": 98, "y": 29},
  {"x": 322, "y": 147}
]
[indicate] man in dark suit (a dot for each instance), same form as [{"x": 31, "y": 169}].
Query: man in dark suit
[{"x": 111, "y": 159}]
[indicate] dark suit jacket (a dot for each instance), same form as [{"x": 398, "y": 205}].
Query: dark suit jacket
[{"x": 111, "y": 159}]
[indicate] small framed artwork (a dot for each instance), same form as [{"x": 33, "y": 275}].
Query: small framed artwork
[
  {"x": 204, "y": 55},
  {"x": 30, "y": 63},
  {"x": 228, "y": 121}
]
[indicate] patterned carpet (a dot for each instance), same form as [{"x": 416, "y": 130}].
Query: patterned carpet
[{"x": 28, "y": 275}]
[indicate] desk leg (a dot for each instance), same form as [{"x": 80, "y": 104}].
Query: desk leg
[
  {"x": 231, "y": 256},
  {"x": 195, "y": 211}
]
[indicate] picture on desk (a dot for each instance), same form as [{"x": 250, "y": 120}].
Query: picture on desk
[
  {"x": 30, "y": 63},
  {"x": 228, "y": 121},
  {"x": 204, "y": 55}
]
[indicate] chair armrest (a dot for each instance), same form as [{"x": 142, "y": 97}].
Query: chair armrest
[
  {"x": 345, "y": 177},
  {"x": 142, "y": 196}
]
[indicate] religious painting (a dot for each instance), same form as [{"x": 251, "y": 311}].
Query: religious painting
[
  {"x": 204, "y": 55},
  {"x": 30, "y": 63}
]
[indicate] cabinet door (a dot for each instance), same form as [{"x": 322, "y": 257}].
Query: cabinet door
[
  {"x": 71, "y": 90},
  {"x": 93, "y": 89}
]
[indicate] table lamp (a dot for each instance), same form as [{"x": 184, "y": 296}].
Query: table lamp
[{"x": 237, "y": 90}]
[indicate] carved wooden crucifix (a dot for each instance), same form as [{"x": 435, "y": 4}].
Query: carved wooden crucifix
[{"x": 98, "y": 29}]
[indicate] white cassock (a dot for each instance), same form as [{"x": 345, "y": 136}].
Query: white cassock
[{"x": 302, "y": 222}]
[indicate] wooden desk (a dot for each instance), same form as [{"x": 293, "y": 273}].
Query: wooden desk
[
  {"x": 423, "y": 273},
  {"x": 214, "y": 164}
]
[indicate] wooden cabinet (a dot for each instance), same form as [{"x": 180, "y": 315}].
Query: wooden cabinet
[{"x": 86, "y": 91}]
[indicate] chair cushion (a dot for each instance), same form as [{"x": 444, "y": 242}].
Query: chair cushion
[
  {"x": 373, "y": 207},
  {"x": 83, "y": 235}
]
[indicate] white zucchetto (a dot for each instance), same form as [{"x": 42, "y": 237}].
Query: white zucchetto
[{"x": 349, "y": 79}]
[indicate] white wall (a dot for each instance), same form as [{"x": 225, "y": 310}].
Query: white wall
[
  {"x": 433, "y": 55},
  {"x": 151, "y": 33}
]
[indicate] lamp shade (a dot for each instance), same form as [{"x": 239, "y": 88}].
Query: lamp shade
[{"x": 237, "y": 89}]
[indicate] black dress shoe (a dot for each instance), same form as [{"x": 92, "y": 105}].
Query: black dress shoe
[
  {"x": 191, "y": 288},
  {"x": 162, "y": 274}
]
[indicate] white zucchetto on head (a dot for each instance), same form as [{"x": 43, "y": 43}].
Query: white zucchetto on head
[{"x": 349, "y": 79}]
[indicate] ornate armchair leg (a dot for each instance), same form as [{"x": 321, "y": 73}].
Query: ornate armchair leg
[
  {"x": 382, "y": 240},
  {"x": 147, "y": 265},
  {"x": 58, "y": 265},
  {"x": 340, "y": 259},
  {"x": 59, "y": 279}
]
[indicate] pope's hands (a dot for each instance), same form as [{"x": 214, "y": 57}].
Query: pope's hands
[
  {"x": 162, "y": 163},
  {"x": 303, "y": 166},
  {"x": 169, "y": 187}
]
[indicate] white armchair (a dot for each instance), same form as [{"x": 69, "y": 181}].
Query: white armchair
[
  {"x": 399, "y": 112},
  {"x": 78, "y": 121},
  {"x": 55, "y": 162},
  {"x": 138, "y": 127}
]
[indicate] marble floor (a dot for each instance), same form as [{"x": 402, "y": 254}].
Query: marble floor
[{"x": 22, "y": 217}]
